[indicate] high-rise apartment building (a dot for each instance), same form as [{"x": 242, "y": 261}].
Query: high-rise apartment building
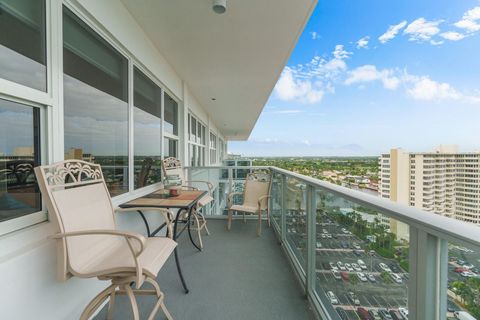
[{"x": 444, "y": 181}]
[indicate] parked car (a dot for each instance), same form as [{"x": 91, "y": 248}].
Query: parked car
[
  {"x": 348, "y": 266},
  {"x": 356, "y": 246},
  {"x": 463, "y": 315},
  {"x": 384, "y": 267},
  {"x": 372, "y": 252},
  {"x": 374, "y": 314},
  {"x": 363, "y": 314},
  {"x": 357, "y": 252},
  {"x": 394, "y": 267},
  {"x": 333, "y": 298},
  {"x": 362, "y": 276},
  {"x": 459, "y": 270},
  {"x": 326, "y": 266},
  {"x": 342, "y": 313},
  {"x": 384, "y": 314},
  {"x": 329, "y": 236},
  {"x": 403, "y": 312},
  {"x": 353, "y": 299},
  {"x": 344, "y": 275},
  {"x": 333, "y": 266},
  {"x": 362, "y": 264},
  {"x": 344, "y": 245},
  {"x": 468, "y": 266},
  {"x": 341, "y": 266},
  {"x": 395, "y": 314},
  {"x": 356, "y": 267},
  {"x": 396, "y": 278},
  {"x": 336, "y": 275},
  {"x": 371, "y": 277},
  {"x": 324, "y": 236},
  {"x": 319, "y": 244}
]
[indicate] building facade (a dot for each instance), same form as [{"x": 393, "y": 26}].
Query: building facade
[{"x": 444, "y": 181}]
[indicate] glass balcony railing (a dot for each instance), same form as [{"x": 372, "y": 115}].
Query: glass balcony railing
[{"x": 359, "y": 256}]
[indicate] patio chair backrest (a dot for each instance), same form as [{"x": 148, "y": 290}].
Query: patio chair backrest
[
  {"x": 257, "y": 184},
  {"x": 77, "y": 199},
  {"x": 173, "y": 167}
]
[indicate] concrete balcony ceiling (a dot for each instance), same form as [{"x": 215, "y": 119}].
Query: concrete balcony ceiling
[{"x": 235, "y": 57}]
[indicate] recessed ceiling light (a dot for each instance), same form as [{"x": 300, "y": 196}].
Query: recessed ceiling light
[
  {"x": 219, "y": 6},
  {"x": 213, "y": 99}
]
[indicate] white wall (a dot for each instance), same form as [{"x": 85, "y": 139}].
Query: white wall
[{"x": 28, "y": 257}]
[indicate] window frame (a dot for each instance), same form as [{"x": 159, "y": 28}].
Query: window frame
[{"x": 196, "y": 144}]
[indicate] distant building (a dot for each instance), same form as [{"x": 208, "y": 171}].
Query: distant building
[
  {"x": 77, "y": 153},
  {"x": 445, "y": 182}
]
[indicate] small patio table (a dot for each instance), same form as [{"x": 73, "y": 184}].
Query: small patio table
[{"x": 184, "y": 202}]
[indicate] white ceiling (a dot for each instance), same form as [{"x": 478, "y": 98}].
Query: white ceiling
[{"x": 235, "y": 57}]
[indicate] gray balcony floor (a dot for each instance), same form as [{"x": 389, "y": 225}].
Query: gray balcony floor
[{"x": 237, "y": 276}]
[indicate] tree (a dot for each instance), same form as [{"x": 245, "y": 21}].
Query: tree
[
  {"x": 387, "y": 279},
  {"x": 353, "y": 278}
]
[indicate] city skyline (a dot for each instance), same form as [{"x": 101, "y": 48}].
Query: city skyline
[{"x": 379, "y": 82}]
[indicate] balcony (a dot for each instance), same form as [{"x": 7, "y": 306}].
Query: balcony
[{"x": 320, "y": 224}]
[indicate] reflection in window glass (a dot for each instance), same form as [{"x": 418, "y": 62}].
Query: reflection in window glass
[
  {"x": 147, "y": 130},
  {"x": 170, "y": 148},
  {"x": 95, "y": 99},
  {"x": 22, "y": 42},
  {"x": 171, "y": 115},
  {"x": 19, "y": 154}
]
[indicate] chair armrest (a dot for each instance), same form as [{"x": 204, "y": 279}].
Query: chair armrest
[
  {"x": 106, "y": 232},
  {"x": 262, "y": 198},
  {"x": 230, "y": 197},
  {"x": 167, "y": 215},
  {"x": 209, "y": 184},
  {"x": 127, "y": 235}
]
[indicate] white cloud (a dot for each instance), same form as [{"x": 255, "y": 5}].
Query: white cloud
[
  {"x": 290, "y": 88},
  {"x": 422, "y": 30},
  {"x": 369, "y": 73},
  {"x": 452, "y": 35},
  {"x": 340, "y": 52},
  {"x": 470, "y": 20},
  {"x": 427, "y": 89},
  {"x": 436, "y": 42},
  {"x": 314, "y": 35},
  {"x": 392, "y": 32},
  {"x": 335, "y": 64},
  {"x": 363, "y": 43},
  {"x": 309, "y": 82}
]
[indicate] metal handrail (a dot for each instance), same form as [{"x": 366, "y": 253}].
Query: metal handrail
[{"x": 437, "y": 225}]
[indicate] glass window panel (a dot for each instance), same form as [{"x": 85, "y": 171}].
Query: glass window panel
[
  {"x": 19, "y": 154},
  {"x": 22, "y": 42},
  {"x": 170, "y": 148},
  {"x": 95, "y": 102},
  {"x": 193, "y": 129},
  {"x": 171, "y": 115},
  {"x": 92, "y": 60},
  {"x": 147, "y": 130}
]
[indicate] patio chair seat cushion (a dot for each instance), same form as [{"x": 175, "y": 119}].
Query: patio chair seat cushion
[
  {"x": 206, "y": 199},
  {"x": 244, "y": 208},
  {"x": 119, "y": 259}
]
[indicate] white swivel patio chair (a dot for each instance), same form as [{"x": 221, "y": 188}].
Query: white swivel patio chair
[
  {"x": 256, "y": 195},
  {"x": 88, "y": 243},
  {"x": 174, "y": 174}
]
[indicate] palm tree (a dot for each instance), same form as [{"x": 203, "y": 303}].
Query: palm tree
[
  {"x": 385, "y": 275},
  {"x": 353, "y": 278}
]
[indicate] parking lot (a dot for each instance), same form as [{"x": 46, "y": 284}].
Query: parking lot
[
  {"x": 370, "y": 294},
  {"x": 340, "y": 246}
]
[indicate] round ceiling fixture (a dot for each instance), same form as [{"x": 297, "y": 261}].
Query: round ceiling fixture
[{"x": 219, "y": 6}]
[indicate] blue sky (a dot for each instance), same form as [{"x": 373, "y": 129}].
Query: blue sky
[{"x": 370, "y": 75}]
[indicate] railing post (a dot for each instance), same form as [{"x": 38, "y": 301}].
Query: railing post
[
  {"x": 283, "y": 219},
  {"x": 427, "y": 291},
  {"x": 311, "y": 240}
]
